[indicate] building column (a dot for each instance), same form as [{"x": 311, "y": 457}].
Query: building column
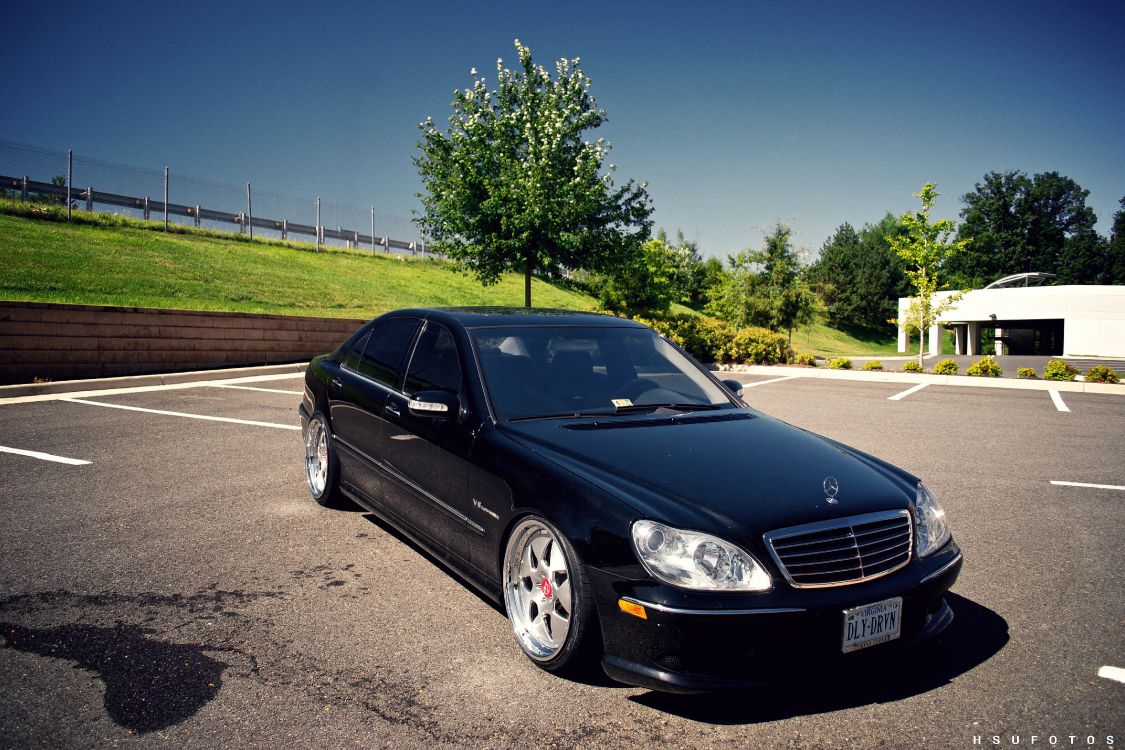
[
  {"x": 959, "y": 335},
  {"x": 972, "y": 336},
  {"x": 999, "y": 343},
  {"x": 935, "y": 340}
]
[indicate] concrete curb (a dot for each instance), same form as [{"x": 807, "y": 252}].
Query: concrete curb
[
  {"x": 909, "y": 377},
  {"x": 133, "y": 381}
]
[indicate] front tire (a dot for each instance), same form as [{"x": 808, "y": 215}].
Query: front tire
[
  {"x": 322, "y": 469},
  {"x": 547, "y": 597}
]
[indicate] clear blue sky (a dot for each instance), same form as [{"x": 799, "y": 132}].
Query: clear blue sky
[{"x": 737, "y": 114}]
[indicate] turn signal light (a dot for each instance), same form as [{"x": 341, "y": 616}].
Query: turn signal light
[{"x": 631, "y": 608}]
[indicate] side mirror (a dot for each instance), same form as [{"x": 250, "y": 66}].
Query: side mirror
[
  {"x": 733, "y": 386},
  {"x": 436, "y": 404}
]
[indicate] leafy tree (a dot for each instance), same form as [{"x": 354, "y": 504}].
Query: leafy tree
[
  {"x": 858, "y": 276},
  {"x": 1115, "y": 265},
  {"x": 645, "y": 285},
  {"x": 512, "y": 184},
  {"x": 685, "y": 262},
  {"x": 714, "y": 276},
  {"x": 1019, "y": 223},
  {"x": 764, "y": 287},
  {"x": 740, "y": 299},
  {"x": 924, "y": 245}
]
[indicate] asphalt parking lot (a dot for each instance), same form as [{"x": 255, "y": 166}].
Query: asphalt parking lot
[{"x": 182, "y": 590}]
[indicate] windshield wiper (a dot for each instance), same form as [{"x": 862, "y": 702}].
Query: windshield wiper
[
  {"x": 558, "y": 415},
  {"x": 671, "y": 405},
  {"x": 631, "y": 409}
]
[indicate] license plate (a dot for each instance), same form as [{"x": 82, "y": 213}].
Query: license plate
[{"x": 872, "y": 624}]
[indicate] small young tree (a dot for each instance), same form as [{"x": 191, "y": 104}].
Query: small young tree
[
  {"x": 513, "y": 186},
  {"x": 924, "y": 246}
]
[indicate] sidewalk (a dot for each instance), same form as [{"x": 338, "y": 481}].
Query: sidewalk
[{"x": 876, "y": 376}]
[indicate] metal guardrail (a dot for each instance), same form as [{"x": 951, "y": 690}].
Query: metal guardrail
[{"x": 89, "y": 196}]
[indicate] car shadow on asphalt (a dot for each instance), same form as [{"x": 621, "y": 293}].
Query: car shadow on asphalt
[
  {"x": 433, "y": 559},
  {"x": 975, "y": 636},
  {"x": 592, "y": 674}
]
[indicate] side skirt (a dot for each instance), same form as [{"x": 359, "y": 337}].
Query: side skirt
[{"x": 487, "y": 587}]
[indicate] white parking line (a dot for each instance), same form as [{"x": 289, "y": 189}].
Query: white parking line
[
  {"x": 146, "y": 388},
  {"x": 1094, "y": 486},
  {"x": 1112, "y": 673},
  {"x": 1058, "y": 401},
  {"x": 183, "y": 414},
  {"x": 263, "y": 390},
  {"x": 907, "y": 392},
  {"x": 767, "y": 382},
  {"x": 44, "y": 456}
]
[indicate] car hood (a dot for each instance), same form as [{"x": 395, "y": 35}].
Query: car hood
[{"x": 732, "y": 473}]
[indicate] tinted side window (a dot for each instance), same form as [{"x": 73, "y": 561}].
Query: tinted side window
[
  {"x": 383, "y": 357},
  {"x": 351, "y": 359},
  {"x": 434, "y": 366}
]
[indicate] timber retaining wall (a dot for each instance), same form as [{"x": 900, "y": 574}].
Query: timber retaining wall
[{"x": 63, "y": 342}]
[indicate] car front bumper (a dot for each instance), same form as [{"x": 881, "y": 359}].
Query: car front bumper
[{"x": 698, "y": 643}]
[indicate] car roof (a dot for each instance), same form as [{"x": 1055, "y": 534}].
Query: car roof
[{"x": 478, "y": 317}]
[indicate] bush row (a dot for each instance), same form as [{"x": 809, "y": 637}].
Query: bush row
[{"x": 712, "y": 340}]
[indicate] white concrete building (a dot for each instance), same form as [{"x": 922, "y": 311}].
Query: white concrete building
[{"x": 1068, "y": 321}]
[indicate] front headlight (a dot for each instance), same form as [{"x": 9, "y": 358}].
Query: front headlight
[
  {"x": 696, "y": 561},
  {"x": 933, "y": 531}
]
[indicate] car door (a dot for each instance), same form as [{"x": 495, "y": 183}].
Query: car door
[
  {"x": 426, "y": 457},
  {"x": 368, "y": 374}
]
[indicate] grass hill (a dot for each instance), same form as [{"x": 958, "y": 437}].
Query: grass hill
[
  {"x": 47, "y": 261},
  {"x": 105, "y": 260}
]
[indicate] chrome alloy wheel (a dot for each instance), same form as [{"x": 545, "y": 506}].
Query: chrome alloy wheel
[
  {"x": 316, "y": 457},
  {"x": 537, "y": 589}
]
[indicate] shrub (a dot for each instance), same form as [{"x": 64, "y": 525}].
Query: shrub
[
  {"x": 759, "y": 346},
  {"x": 912, "y": 366},
  {"x": 1025, "y": 372},
  {"x": 873, "y": 364},
  {"x": 840, "y": 363},
  {"x": 946, "y": 367},
  {"x": 985, "y": 367},
  {"x": 712, "y": 340},
  {"x": 700, "y": 336},
  {"x": 1057, "y": 369},
  {"x": 804, "y": 358},
  {"x": 1101, "y": 374}
]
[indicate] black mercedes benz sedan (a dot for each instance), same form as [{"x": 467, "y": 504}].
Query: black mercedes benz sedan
[{"x": 622, "y": 503}]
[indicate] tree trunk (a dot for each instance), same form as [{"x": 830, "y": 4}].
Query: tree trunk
[
  {"x": 921, "y": 337},
  {"x": 528, "y": 264}
]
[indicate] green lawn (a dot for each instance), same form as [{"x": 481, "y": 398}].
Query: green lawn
[
  {"x": 823, "y": 341},
  {"x": 45, "y": 261}
]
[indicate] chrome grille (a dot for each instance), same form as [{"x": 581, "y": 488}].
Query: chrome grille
[{"x": 843, "y": 550}]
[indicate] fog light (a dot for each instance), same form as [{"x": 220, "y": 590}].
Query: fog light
[{"x": 632, "y": 608}]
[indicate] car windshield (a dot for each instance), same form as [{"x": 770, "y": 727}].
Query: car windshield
[{"x": 556, "y": 371}]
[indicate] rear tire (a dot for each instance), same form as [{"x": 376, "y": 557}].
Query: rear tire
[
  {"x": 322, "y": 468},
  {"x": 547, "y": 598}
]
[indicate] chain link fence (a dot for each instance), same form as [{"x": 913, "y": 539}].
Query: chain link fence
[{"x": 87, "y": 184}]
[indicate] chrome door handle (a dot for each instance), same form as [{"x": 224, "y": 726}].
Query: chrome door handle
[
  {"x": 337, "y": 383},
  {"x": 392, "y": 411}
]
